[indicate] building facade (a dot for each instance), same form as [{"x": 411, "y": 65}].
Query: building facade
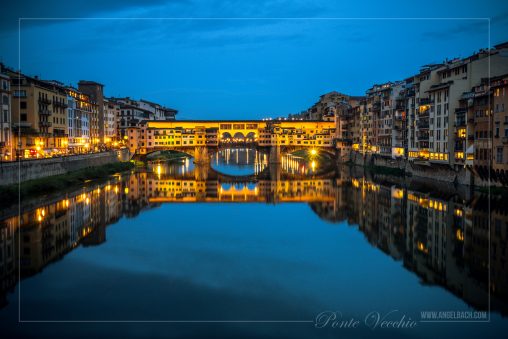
[{"x": 6, "y": 132}]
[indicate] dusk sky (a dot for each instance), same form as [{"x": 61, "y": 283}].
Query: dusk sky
[{"x": 235, "y": 69}]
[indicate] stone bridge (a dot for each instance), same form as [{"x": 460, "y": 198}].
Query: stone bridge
[{"x": 201, "y": 138}]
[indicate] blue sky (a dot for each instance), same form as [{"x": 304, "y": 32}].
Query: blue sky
[{"x": 241, "y": 68}]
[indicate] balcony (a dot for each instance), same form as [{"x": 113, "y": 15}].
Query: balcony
[
  {"x": 22, "y": 124},
  {"x": 45, "y": 124},
  {"x": 44, "y": 112},
  {"x": 422, "y": 124},
  {"x": 59, "y": 104},
  {"x": 45, "y": 101},
  {"x": 460, "y": 123},
  {"x": 425, "y": 101},
  {"x": 423, "y": 114}
]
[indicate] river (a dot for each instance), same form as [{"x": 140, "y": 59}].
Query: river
[{"x": 240, "y": 248}]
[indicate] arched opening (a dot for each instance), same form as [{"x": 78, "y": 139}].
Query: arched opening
[
  {"x": 250, "y": 137},
  {"x": 239, "y": 137},
  {"x": 226, "y": 137}
]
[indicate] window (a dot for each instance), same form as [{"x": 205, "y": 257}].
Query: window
[
  {"x": 499, "y": 155},
  {"x": 23, "y": 117}
]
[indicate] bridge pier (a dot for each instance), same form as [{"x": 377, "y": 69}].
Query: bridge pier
[
  {"x": 275, "y": 170},
  {"x": 201, "y": 172},
  {"x": 275, "y": 157},
  {"x": 201, "y": 155}
]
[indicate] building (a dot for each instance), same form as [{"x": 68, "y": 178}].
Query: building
[
  {"x": 111, "y": 112},
  {"x": 39, "y": 112},
  {"x": 131, "y": 112},
  {"x": 499, "y": 99},
  {"x": 80, "y": 110},
  {"x": 6, "y": 138},
  {"x": 95, "y": 91},
  {"x": 485, "y": 133},
  {"x": 156, "y": 111},
  {"x": 441, "y": 116},
  {"x": 129, "y": 115}
]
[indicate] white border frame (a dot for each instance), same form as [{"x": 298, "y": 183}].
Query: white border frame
[{"x": 487, "y": 19}]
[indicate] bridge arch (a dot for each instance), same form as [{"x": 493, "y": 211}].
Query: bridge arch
[
  {"x": 189, "y": 151},
  {"x": 318, "y": 150},
  {"x": 239, "y": 135},
  {"x": 226, "y": 135}
]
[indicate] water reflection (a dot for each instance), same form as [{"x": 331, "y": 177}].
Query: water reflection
[
  {"x": 245, "y": 161},
  {"x": 443, "y": 240},
  {"x": 248, "y": 161}
]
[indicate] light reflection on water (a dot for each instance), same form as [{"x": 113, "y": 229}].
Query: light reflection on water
[
  {"x": 312, "y": 244},
  {"x": 239, "y": 161},
  {"x": 248, "y": 161}
]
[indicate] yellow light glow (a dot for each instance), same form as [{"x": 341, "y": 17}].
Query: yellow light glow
[
  {"x": 126, "y": 190},
  {"x": 313, "y": 165},
  {"x": 460, "y": 235},
  {"x": 313, "y": 151},
  {"x": 397, "y": 193},
  {"x": 421, "y": 247}
]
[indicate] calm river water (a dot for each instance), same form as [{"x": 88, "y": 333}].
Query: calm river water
[{"x": 242, "y": 249}]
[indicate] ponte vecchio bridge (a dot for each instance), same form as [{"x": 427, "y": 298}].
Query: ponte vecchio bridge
[{"x": 199, "y": 138}]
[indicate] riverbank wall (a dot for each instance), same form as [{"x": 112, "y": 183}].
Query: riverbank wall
[
  {"x": 24, "y": 170},
  {"x": 429, "y": 173}
]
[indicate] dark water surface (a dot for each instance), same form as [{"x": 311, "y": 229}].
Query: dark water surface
[{"x": 268, "y": 251}]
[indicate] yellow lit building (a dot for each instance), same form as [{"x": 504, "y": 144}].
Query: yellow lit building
[{"x": 39, "y": 109}]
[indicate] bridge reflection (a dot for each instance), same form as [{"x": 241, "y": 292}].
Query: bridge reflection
[
  {"x": 248, "y": 164},
  {"x": 444, "y": 240}
]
